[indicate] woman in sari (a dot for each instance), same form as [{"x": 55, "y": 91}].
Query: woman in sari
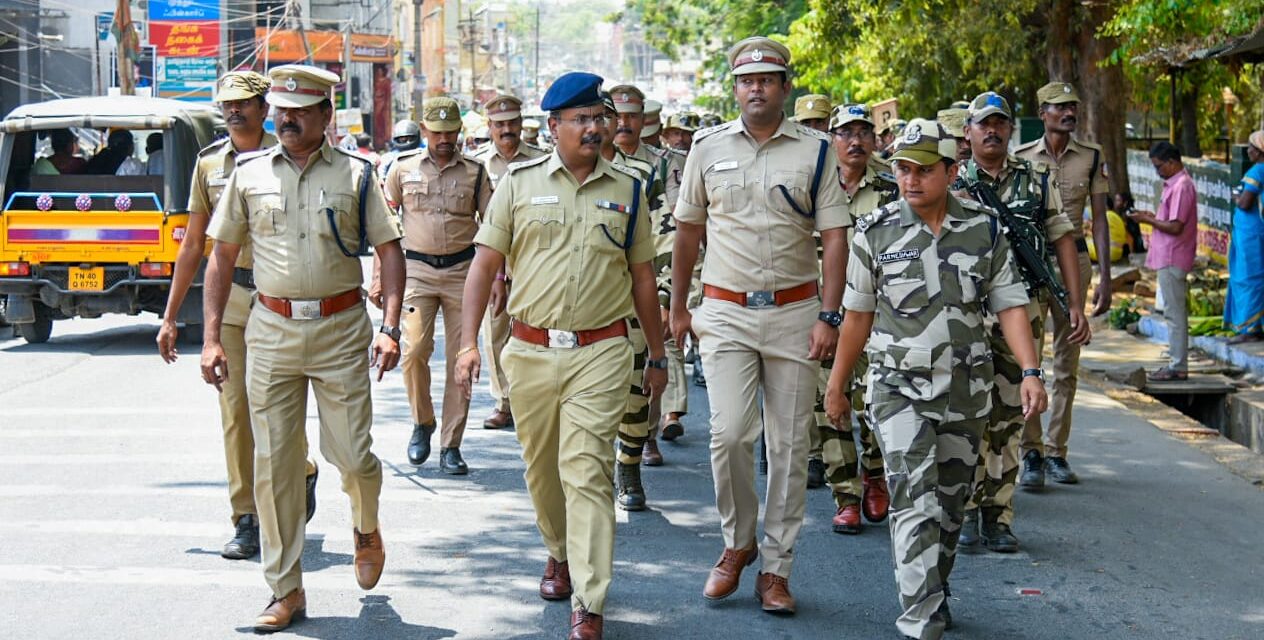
[{"x": 1244, "y": 306}]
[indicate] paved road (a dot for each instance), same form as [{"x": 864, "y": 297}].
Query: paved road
[{"x": 113, "y": 508}]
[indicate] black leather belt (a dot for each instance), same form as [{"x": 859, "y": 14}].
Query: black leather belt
[
  {"x": 1081, "y": 245},
  {"x": 442, "y": 262},
  {"x": 244, "y": 277}
]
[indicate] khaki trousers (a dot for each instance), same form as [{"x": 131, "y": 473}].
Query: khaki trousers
[
  {"x": 1066, "y": 376},
  {"x": 234, "y": 408},
  {"x": 283, "y": 356},
  {"x": 430, "y": 290},
  {"x": 676, "y": 395},
  {"x": 745, "y": 351},
  {"x": 567, "y": 405},
  {"x": 495, "y": 337}
]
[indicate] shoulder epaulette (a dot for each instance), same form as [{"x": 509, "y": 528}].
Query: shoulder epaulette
[
  {"x": 866, "y": 221},
  {"x": 214, "y": 147},
  {"x": 812, "y": 133},
  {"x": 536, "y": 147},
  {"x": 353, "y": 154},
  {"x": 258, "y": 153},
  {"x": 973, "y": 205},
  {"x": 1087, "y": 145},
  {"x": 404, "y": 154},
  {"x": 677, "y": 152},
  {"x": 1026, "y": 146},
  {"x": 703, "y": 134},
  {"x": 518, "y": 166},
  {"x": 885, "y": 181},
  {"x": 628, "y": 171}
]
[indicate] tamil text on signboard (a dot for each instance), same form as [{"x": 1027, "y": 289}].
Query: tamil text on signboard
[{"x": 1213, "y": 182}]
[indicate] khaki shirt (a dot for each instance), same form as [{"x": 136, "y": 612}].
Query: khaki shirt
[
  {"x": 283, "y": 212},
  {"x": 1020, "y": 182},
  {"x": 497, "y": 166},
  {"x": 876, "y": 188},
  {"x": 214, "y": 166},
  {"x": 1073, "y": 175},
  {"x": 437, "y": 204},
  {"x": 559, "y": 238},
  {"x": 755, "y": 240},
  {"x": 929, "y": 346}
]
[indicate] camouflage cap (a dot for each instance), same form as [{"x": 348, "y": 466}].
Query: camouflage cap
[
  {"x": 813, "y": 106},
  {"x": 685, "y": 121},
  {"x": 848, "y": 113},
  {"x": 627, "y": 99},
  {"x": 924, "y": 142},
  {"x": 441, "y": 114},
  {"x": 758, "y": 54},
  {"x": 295, "y": 86},
  {"x": 1057, "y": 93},
  {"x": 503, "y": 107},
  {"x": 989, "y": 103},
  {"x": 954, "y": 121},
  {"x": 711, "y": 120},
  {"x": 241, "y": 85}
]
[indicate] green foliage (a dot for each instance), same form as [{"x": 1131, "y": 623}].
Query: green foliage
[{"x": 1123, "y": 314}]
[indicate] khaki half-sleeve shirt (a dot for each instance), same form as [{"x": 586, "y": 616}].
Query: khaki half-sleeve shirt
[
  {"x": 440, "y": 205},
  {"x": 1078, "y": 174},
  {"x": 214, "y": 166}
]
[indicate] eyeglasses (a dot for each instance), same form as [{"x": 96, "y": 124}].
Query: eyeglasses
[
  {"x": 848, "y": 134},
  {"x": 586, "y": 121}
]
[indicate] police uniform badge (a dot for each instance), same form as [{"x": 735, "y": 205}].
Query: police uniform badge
[
  {"x": 913, "y": 134},
  {"x": 291, "y": 84},
  {"x": 757, "y": 55}
]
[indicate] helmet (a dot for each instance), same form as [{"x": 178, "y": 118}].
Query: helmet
[{"x": 406, "y": 135}]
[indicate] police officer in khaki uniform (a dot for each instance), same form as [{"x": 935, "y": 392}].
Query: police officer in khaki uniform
[
  {"x": 760, "y": 186},
  {"x": 813, "y": 110},
  {"x": 652, "y": 131},
  {"x": 1079, "y": 175},
  {"x": 504, "y": 117},
  {"x": 300, "y": 206},
  {"x": 576, "y": 237},
  {"x": 240, "y": 95},
  {"x": 441, "y": 194}
]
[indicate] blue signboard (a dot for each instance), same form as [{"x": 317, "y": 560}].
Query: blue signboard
[
  {"x": 186, "y": 10},
  {"x": 187, "y": 70},
  {"x": 104, "y": 21}
]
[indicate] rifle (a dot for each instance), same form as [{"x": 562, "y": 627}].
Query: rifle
[{"x": 1029, "y": 245}]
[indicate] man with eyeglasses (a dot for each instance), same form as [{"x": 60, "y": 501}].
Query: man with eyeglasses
[
  {"x": 573, "y": 230},
  {"x": 760, "y": 187},
  {"x": 856, "y": 488}
]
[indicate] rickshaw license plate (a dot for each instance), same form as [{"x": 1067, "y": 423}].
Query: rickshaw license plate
[{"x": 92, "y": 279}]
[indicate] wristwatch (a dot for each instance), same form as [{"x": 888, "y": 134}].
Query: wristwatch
[
  {"x": 660, "y": 363},
  {"x": 393, "y": 332},
  {"x": 832, "y": 318},
  {"x": 1034, "y": 373}
]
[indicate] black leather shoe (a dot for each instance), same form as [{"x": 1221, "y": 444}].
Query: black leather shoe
[
  {"x": 816, "y": 473},
  {"x": 245, "y": 543},
  {"x": 631, "y": 492},
  {"x": 969, "y": 540},
  {"x": 763, "y": 458},
  {"x": 1060, "y": 471},
  {"x": 419, "y": 444},
  {"x": 450, "y": 462},
  {"x": 998, "y": 538},
  {"x": 311, "y": 492},
  {"x": 1033, "y": 478}
]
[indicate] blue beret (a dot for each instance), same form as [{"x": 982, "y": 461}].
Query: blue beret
[{"x": 574, "y": 89}]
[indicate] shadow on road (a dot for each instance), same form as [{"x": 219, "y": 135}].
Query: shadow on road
[{"x": 377, "y": 619}]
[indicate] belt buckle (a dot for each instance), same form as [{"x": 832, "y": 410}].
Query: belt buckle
[
  {"x": 760, "y": 299},
  {"x": 305, "y": 309},
  {"x": 563, "y": 339}
]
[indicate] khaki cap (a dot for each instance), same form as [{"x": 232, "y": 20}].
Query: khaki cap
[
  {"x": 989, "y": 103},
  {"x": 1057, "y": 93},
  {"x": 503, "y": 107},
  {"x": 241, "y": 85},
  {"x": 441, "y": 114},
  {"x": 653, "y": 121},
  {"x": 531, "y": 124},
  {"x": 954, "y": 121},
  {"x": 924, "y": 142},
  {"x": 848, "y": 113},
  {"x": 295, "y": 86},
  {"x": 813, "y": 106},
  {"x": 685, "y": 121},
  {"x": 758, "y": 54},
  {"x": 627, "y": 99}
]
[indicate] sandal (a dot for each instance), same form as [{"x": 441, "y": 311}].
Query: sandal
[
  {"x": 1245, "y": 337},
  {"x": 1168, "y": 374}
]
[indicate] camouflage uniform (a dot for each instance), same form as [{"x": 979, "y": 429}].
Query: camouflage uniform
[
  {"x": 838, "y": 444},
  {"x": 1022, "y": 187},
  {"x": 669, "y": 167},
  {"x": 930, "y": 378}
]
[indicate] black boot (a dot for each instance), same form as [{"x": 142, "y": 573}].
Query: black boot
[
  {"x": 997, "y": 536},
  {"x": 969, "y": 540},
  {"x": 245, "y": 543},
  {"x": 1060, "y": 471},
  {"x": 419, "y": 444},
  {"x": 450, "y": 462},
  {"x": 1033, "y": 478},
  {"x": 763, "y": 457},
  {"x": 631, "y": 493},
  {"x": 816, "y": 473},
  {"x": 943, "y": 612},
  {"x": 311, "y": 492}
]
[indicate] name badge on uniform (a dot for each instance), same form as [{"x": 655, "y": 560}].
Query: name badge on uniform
[
  {"x": 724, "y": 166},
  {"x": 216, "y": 182},
  {"x": 545, "y": 200},
  {"x": 412, "y": 176},
  {"x": 613, "y": 206},
  {"x": 899, "y": 256}
]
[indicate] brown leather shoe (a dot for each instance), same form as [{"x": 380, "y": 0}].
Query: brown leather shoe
[
  {"x": 650, "y": 455},
  {"x": 499, "y": 420},
  {"x": 370, "y": 558},
  {"x": 727, "y": 573},
  {"x": 585, "y": 625},
  {"x": 774, "y": 594},
  {"x": 282, "y": 611},
  {"x": 847, "y": 520},
  {"x": 876, "y": 499},
  {"x": 556, "y": 583}
]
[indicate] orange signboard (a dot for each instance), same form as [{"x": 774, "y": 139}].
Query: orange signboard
[
  {"x": 286, "y": 45},
  {"x": 373, "y": 48}
]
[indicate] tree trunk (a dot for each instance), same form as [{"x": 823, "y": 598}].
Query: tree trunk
[{"x": 1189, "y": 122}]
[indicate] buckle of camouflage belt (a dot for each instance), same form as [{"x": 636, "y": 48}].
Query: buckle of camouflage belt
[
  {"x": 761, "y": 299},
  {"x": 563, "y": 339},
  {"x": 305, "y": 309}
]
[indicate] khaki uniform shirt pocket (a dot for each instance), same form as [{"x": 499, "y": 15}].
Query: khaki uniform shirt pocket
[
  {"x": 267, "y": 214},
  {"x": 542, "y": 225},
  {"x": 727, "y": 188}
]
